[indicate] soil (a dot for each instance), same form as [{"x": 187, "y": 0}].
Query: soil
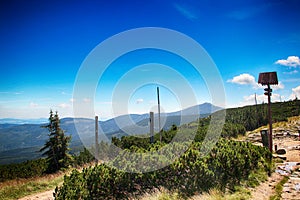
[{"x": 47, "y": 195}]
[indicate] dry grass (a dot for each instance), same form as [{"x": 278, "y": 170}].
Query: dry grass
[
  {"x": 14, "y": 182},
  {"x": 213, "y": 194},
  {"x": 160, "y": 194},
  {"x": 14, "y": 189}
]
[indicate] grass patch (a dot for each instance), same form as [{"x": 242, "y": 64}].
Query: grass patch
[
  {"x": 162, "y": 194},
  {"x": 257, "y": 177},
  {"x": 241, "y": 193},
  {"x": 20, "y": 188},
  {"x": 213, "y": 194},
  {"x": 278, "y": 189}
]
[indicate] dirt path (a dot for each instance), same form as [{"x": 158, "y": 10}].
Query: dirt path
[
  {"x": 291, "y": 189},
  {"x": 266, "y": 189},
  {"x": 47, "y": 195},
  {"x": 286, "y": 137}
]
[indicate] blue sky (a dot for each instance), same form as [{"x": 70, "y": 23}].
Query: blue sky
[{"x": 43, "y": 44}]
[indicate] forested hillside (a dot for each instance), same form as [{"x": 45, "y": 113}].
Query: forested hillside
[{"x": 252, "y": 117}]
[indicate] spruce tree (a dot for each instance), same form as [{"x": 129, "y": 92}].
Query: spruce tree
[{"x": 56, "y": 148}]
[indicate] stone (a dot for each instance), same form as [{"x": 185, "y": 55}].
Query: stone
[
  {"x": 286, "y": 189},
  {"x": 282, "y": 157},
  {"x": 281, "y": 151},
  {"x": 279, "y": 134}
]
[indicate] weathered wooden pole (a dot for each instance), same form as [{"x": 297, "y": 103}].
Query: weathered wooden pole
[
  {"x": 151, "y": 127},
  {"x": 159, "y": 127},
  {"x": 96, "y": 140},
  {"x": 270, "y": 118}
]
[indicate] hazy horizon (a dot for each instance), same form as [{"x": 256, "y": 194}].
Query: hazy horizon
[{"x": 100, "y": 118}]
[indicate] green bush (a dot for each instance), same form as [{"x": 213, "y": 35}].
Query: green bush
[
  {"x": 28, "y": 169},
  {"x": 35, "y": 168},
  {"x": 83, "y": 157},
  {"x": 225, "y": 166}
]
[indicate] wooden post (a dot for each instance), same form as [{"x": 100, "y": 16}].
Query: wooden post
[
  {"x": 96, "y": 140},
  {"x": 151, "y": 127},
  {"x": 269, "y": 78},
  {"x": 159, "y": 128},
  {"x": 270, "y": 119}
]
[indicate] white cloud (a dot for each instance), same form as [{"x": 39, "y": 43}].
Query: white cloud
[
  {"x": 243, "y": 79},
  {"x": 248, "y": 79},
  {"x": 250, "y": 100},
  {"x": 291, "y": 61},
  {"x": 138, "y": 101},
  {"x": 257, "y": 86},
  {"x": 295, "y": 92},
  {"x": 280, "y": 86},
  {"x": 72, "y": 100},
  {"x": 276, "y": 97}
]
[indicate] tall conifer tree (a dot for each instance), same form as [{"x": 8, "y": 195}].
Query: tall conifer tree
[{"x": 56, "y": 148}]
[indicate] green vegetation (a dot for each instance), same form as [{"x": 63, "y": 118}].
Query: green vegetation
[
  {"x": 84, "y": 157},
  {"x": 39, "y": 167},
  {"x": 253, "y": 117},
  {"x": 229, "y": 130},
  {"x": 19, "y": 155},
  {"x": 18, "y": 180},
  {"x": 227, "y": 165},
  {"x": 28, "y": 169},
  {"x": 238, "y": 121},
  {"x": 57, "y": 145},
  {"x": 19, "y": 188},
  {"x": 230, "y": 163},
  {"x": 278, "y": 188}
]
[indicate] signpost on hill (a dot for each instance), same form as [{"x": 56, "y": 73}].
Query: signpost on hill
[{"x": 269, "y": 78}]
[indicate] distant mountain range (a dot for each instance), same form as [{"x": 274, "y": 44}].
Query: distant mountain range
[
  {"x": 23, "y": 121},
  {"x": 20, "y": 140}
]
